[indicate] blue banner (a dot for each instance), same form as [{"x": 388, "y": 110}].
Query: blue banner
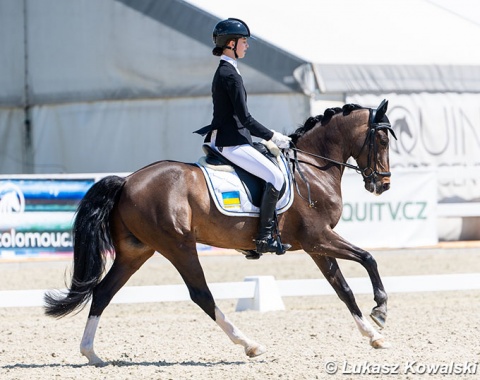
[{"x": 36, "y": 215}]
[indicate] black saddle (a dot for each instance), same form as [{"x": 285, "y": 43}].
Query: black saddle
[{"x": 253, "y": 185}]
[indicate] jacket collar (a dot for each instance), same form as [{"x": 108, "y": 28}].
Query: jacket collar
[{"x": 230, "y": 60}]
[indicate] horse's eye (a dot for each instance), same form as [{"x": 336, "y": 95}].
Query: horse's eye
[{"x": 383, "y": 140}]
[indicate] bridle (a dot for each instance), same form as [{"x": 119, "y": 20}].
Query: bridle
[{"x": 370, "y": 172}]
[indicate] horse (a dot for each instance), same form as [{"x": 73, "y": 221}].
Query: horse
[{"x": 166, "y": 207}]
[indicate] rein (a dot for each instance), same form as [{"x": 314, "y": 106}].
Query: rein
[
  {"x": 367, "y": 173},
  {"x": 346, "y": 164}
]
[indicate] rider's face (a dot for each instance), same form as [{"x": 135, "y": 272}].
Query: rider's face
[{"x": 242, "y": 46}]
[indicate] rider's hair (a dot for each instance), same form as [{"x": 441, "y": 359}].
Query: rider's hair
[{"x": 217, "y": 50}]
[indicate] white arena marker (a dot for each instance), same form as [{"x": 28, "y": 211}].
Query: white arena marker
[{"x": 266, "y": 297}]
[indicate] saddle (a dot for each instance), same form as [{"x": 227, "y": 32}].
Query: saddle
[
  {"x": 237, "y": 192},
  {"x": 252, "y": 184}
]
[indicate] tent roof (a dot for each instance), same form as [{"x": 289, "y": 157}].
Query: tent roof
[
  {"x": 149, "y": 48},
  {"x": 197, "y": 24},
  {"x": 414, "y": 32},
  {"x": 369, "y": 45},
  {"x": 84, "y": 51}
]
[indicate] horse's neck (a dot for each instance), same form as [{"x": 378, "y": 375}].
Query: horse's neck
[
  {"x": 346, "y": 133},
  {"x": 333, "y": 141},
  {"x": 336, "y": 141}
]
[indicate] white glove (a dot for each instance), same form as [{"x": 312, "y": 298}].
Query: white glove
[
  {"x": 282, "y": 141},
  {"x": 272, "y": 147}
]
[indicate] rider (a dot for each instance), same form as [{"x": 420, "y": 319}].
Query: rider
[{"x": 232, "y": 127}]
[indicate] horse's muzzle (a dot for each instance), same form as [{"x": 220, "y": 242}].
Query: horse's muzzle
[{"x": 377, "y": 184}]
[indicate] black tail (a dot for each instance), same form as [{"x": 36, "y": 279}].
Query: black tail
[{"x": 91, "y": 239}]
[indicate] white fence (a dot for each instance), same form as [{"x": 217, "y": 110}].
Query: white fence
[
  {"x": 263, "y": 293},
  {"x": 452, "y": 210}
]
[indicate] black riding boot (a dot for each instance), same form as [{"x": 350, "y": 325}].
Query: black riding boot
[{"x": 265, "y": 240}]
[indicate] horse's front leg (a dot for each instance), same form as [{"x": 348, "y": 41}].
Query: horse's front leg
[
  {"x": 192, "y": 273},
  {"x": 333, "y": 274},
  {"x": 341, "y": 249}
]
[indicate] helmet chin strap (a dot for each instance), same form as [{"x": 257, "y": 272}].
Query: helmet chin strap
[{"x": 234, "y": 48}]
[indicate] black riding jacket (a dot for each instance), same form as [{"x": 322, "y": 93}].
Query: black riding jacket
[{"x": 231, "y": 119}]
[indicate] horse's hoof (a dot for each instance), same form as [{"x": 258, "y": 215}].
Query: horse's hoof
[
  {"x": 97, "y": 362},
  {"x": 93, "y": 359},
  {"x": 101, "y": 363},
  {"x": 379, "y": 317},
  {"x": 253, "y": 351},
  {"x": 380, "y": 343}
]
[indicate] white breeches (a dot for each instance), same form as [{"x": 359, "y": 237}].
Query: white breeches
[{"x": 254, "y": 162}]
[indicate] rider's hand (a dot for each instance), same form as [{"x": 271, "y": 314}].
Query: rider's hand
[{"x": 282, "y": 141}]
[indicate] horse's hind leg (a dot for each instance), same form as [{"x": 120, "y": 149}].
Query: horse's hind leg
[
  {"x": 252, "y": 348},
  {"x": 124, "y": 266},
  {"x": 189, "y": 267},
  {"x": 333, "y": 274}
]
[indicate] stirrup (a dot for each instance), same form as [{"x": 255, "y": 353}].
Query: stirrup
[{"x": 250, "y": 254}]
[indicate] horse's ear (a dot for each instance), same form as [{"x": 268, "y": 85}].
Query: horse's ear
[{"x": 381, "y": 111}]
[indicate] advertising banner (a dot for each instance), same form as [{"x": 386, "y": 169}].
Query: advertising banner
[
  {"x": 36, "y": 214},
  {"x": 404, "y": 216},
  {"x": 439, "y": 131}
]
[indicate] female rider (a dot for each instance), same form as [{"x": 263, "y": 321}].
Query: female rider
[{"x": 232, "y": 127}]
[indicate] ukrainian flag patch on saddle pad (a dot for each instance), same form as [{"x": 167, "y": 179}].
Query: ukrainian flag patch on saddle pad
[{"x": 231, "y": 200}]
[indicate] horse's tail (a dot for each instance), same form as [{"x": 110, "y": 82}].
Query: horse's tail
[{"x": 91, "y": 239}]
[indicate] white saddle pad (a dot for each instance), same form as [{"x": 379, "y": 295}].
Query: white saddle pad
[{"x": 228, "y": 192}]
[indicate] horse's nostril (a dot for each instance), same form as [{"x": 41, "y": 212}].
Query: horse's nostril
[{"x": 386, "y": 186}]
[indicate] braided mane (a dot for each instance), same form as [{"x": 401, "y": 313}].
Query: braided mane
[{"x": 323, "y": 119}]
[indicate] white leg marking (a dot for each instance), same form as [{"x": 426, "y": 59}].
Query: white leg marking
[
  {"x": 86, "y": 346},
  {"x": 236, "y": 336},
  {"x": 376, "y": 339}
]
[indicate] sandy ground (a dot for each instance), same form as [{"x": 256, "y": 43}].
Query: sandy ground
[{"x": 176, "y": 340}]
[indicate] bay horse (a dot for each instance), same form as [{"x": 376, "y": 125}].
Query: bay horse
[{"x": 166, "y": 207}]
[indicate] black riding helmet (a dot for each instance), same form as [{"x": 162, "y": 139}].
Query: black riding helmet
[{"x": 226, "y": 30}]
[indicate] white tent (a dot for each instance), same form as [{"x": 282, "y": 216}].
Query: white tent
[
  {"x": 422, "y": 55},
  {"x": 370, "y": 45},
  {"x": 112, "y": 85}
]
